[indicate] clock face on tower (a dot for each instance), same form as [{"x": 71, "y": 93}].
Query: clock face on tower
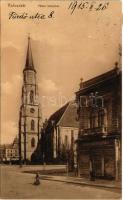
[{"x": 32, "y": 110}]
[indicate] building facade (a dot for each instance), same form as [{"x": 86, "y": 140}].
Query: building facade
[
  {"x": 58, "y": 136},
  {"x": 9, "y": 152},
  {"x": 99, "y": 115},
  {"x": 61, "y": 133},
  {"x": 30, "y": 121}
]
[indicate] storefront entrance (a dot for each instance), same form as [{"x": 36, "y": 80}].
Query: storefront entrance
[{"x": 98, "y": 165}]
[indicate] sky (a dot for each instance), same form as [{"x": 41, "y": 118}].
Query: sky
[{"x": 65, "y": 49}]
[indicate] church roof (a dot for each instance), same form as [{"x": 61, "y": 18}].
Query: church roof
[
  {"x": 69, "y": 117},
  {"x": 66, "y": 116},
  {"x": 58, "y": 114},
  {"x": 29, "y": 59}
]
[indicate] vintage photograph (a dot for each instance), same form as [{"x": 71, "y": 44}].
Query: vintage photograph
[{"x": 61, "y": 99}]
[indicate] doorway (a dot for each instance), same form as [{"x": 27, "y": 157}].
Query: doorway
[{"x": 98, "y": 165}]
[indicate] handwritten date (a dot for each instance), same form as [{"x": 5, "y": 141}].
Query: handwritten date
[{"x": 90, "y": 6}]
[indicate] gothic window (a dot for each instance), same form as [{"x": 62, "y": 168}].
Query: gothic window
[
  {"x": 72, "y": 137},
  {"x": 32, "y": 125},
  {"x": 66, "y": 142},
  {"x": 31, "y": 96},
  {"x": 33, "y": 142}
]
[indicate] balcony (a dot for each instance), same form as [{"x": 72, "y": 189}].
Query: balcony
[{"x": 96, "y": 130}]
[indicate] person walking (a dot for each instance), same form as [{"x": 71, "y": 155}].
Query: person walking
[{"x": 37, "y": 179}]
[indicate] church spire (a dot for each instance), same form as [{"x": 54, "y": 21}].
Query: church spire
[{"x": 29, "y": 59}]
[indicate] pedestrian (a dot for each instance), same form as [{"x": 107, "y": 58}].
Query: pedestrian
[{"x": 37, "y": 179}]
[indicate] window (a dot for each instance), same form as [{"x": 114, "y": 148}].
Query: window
[
  {"x": 66, "y": 141},
  {"x": 31, "y": 96},
  {"x": 32, "y": 110},
  {"x": 32, "y": 125},
  {"x": 98, "y": 118},
  {"x": 92, "y": 120},
  {"x": 101, "y": 118},
  {"x": 24, "y": 77},
  {"x": 72, "y": 137},
  {"x": 33, "y": 142}
]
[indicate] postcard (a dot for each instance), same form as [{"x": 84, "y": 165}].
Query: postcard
[{"x": 61, "y": 74}]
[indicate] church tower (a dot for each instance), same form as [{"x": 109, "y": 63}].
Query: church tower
[{"x": 30, "y": 121}]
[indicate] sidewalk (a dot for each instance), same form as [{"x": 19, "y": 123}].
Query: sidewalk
[{"x": 83, "y": 181}]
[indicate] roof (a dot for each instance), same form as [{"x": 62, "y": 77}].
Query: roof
[
  {"x": 69, "y": 117},
  {"x": 16, "y": 140},
  {"x": 66, "y": 115},
  {"x": 8, "y": 146},
  {"x": 99, "y": 80},
  {"x": 103, "y": 77},
  {"x": 15, "y": 143},
  {"x": 11, "y": 145},
  {"x": 58, "y": 114},
  {"x": 2, "y": 146},
  {"x": 29, "y": 59}
]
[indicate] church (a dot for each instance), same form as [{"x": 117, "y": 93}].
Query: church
[{"x": 30, "y": 120}]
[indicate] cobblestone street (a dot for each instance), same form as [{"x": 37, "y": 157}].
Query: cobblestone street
[{"x": 18, "y": 185}]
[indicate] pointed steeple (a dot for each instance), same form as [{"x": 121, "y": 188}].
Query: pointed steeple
[{"x": 29, "y": 59}]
